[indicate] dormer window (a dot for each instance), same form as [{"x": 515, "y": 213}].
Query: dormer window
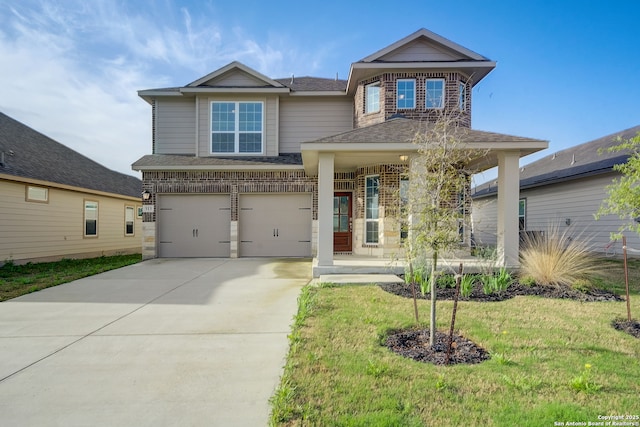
[
  {"x": 372, "y": 98},
  {"x": 406, "y": 94},
  {"x": 462, "y": 96},
  {"x": 236, "y": 127},
  {"x": 434, "y": 89}
]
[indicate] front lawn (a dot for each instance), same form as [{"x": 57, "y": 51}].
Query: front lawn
[
  {"x": 16, "y": 280},
  {"x": 553, "y": 361}
]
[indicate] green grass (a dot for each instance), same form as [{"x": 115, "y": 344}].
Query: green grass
[
  {"x": 338, "y": 372},
  {"x": 16, "y": 280}
]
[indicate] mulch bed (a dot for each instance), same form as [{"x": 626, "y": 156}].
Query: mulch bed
[
  {"x": 631, "y": 327},
  {"x": 414, "y": 344},
  {"x": 404, "y": 290}
]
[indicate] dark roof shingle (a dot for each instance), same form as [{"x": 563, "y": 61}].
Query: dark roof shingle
[
  {"x": 587, "y": 159},
  {"x": 30, "y": 154}
]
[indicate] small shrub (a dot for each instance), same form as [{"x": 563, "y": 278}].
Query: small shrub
[
  {"x": 503, "y": 280},
  {"x": 555, "y": 258},
  {"x": 446, "y": 281},
  {"x": 420, "y": 276},
  {"x": 527, "y": 280},
  {"x": 466, "y": 285},
  {"x": 582, "y": 285}
]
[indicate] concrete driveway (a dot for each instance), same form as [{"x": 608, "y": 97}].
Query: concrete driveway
[{"x": 166, "y": 342}]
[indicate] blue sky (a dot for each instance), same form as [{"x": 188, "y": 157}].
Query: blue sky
[{"x": 567, "y": 69}]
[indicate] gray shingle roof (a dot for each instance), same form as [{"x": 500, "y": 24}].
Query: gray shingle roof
[
  {"x": 174, "y": 160},
  {"x": 572, "y": 163},
  {"x": 30, "y": 154},
  {"x": 313, "y": 84},
  {"x": 404, "y": 130}
]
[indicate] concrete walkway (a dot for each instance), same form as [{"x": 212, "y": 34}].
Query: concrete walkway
[{"x": 167, "y": 342}]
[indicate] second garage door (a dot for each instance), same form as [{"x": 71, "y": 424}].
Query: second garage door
[{"x": 275, "y": 225}]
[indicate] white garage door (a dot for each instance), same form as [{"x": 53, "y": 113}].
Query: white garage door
[
  {"x": 275, "y": 225},
  {"x": 194, "y": 226}
]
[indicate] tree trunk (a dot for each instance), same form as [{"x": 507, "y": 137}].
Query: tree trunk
[{"x": 432, "y": 331}]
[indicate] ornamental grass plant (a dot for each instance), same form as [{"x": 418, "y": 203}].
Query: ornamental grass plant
[{"x": 556, "y": 258}]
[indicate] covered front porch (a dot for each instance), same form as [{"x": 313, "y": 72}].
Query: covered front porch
[{"x": 389, "y": 143}]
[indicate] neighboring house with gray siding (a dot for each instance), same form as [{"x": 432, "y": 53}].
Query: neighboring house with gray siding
[
  {"x": 56, "y": 203},
  {"x": 566, "y": 189},
  {"x": 242, "y": 164}
]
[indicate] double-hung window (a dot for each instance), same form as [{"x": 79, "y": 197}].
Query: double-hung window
[
  {"x": 237, "y": 127},
  {"x": 434, "y": 89},
  {"x": 90, "y": 218},
  {"x": 371, "y": 208},
  {"x": 406, "y": 94},
  {"x": 372, "y": 98},
  {"x": 462, "y": 96},
  {"x": 128, "y": 221}
]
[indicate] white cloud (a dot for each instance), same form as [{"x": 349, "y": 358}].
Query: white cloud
[{"x": 72, "y": 69}]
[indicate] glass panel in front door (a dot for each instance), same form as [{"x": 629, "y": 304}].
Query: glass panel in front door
[{"x": 341, "y": 213}]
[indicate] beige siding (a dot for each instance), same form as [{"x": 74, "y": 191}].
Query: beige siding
[
  {"x": 420, "y": 50},
  {"x": 236, "y": 78},
  {"x": 576, "y": 201},
  {"x": 307, "y": 119},
  {"x": 53, "y": 230},
  {"x": 175, "y": 126},
  {"x": 484, "y": 217},
  {"x": 270, "y": 125}
]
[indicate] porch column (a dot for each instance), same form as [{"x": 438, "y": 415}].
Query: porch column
[
  {"x": 325, "y": 208},
  {"x": 508, "y": 203}
]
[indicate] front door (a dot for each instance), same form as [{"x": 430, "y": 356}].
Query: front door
[{"x": 342, "y": 222}]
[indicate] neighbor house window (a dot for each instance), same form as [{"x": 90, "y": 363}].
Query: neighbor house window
[
  {"x": 129, "y": 213},
  {"x": 371, "y": 208},
  {"x": 236, "y": 127},
  {"x": 90, "y": 218},
  {"x": 37, "y": 194},
  {"x": 406, "y": 93},
  {"x": 462, "y": 96},
  {"x": 372, "y": 98},
  {"x": 434, "y": 93},
  {"x": 522, "y": 215}
]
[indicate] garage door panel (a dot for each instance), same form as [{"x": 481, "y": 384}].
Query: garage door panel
[
  {"x": 194, "y": 226},
  {"x": 275, "y": 225}
]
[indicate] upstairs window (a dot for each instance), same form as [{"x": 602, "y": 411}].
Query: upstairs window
[
  {"x": 372, "y": 98},
  {"x": 462, "y": 96},
  {"x": 406, "y": 94},
  {"x": 434, "y": 89},
  {"x": 237, "y": 127}
]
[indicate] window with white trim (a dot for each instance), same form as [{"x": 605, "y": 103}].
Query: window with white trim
[
  {"x": 129, "y": 220},
  {"x": 462, "y": 96},
  {"x": 37, "y": 194},
  {"x": 90, "y": 218},
  {"x": 406, "y": 93},
  {"x": 371, "y": 207},
  {"x": 237, "y": 127},
  {"x": 372, "y": 98},
  {"x": 434, "y": 90}
]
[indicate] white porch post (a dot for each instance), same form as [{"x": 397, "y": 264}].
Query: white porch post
[
  {"x": 508, "y": 203},
  {"x": 325, "y": 208}
]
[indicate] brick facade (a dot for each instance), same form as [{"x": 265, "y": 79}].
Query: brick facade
[{"x": 388, "y": 97}]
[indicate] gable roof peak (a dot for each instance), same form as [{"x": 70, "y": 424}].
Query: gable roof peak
[
  {"x": 235, "y": 65},
  {"x": 423, "y": 33}
]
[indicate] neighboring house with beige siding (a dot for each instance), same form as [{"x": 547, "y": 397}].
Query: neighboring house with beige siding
[
  {"x": 55, "y": 203},
  {"x": 565, "y": 189},
  {"x": 242, "y": 164}
]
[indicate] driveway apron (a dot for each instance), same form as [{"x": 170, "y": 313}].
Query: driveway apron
[{"x": 166, "y": 342}]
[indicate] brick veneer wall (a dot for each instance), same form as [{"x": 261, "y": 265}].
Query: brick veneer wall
[
  {"x": 388, "y": 97},
  {"x": 227, "y": 182}
]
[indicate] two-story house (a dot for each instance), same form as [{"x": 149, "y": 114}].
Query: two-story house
[{"x": 244, "y": 165}]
